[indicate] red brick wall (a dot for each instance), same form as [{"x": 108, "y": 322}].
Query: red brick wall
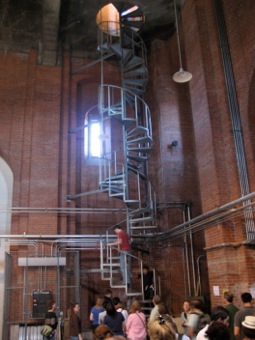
[
  {"x": 30, "y": 111},
  {"x": 217, "y": 166},
  {"x": 38, "y": 104}
]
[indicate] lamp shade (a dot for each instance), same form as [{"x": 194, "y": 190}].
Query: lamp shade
[{"x": 182, "y": 76}]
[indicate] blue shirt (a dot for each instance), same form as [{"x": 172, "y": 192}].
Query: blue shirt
[{"x": 95, "y": 311}]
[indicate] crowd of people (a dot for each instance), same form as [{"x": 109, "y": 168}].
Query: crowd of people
[
  {"x": 111, "y": 320},
  {"x": 222, "y": 323}
]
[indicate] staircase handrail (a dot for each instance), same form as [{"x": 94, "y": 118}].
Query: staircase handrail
[
  {"x": 137, "y": 99},
  {"x": 114, "y": 27}
]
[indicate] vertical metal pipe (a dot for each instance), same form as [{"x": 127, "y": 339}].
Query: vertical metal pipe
[
  {"x": 184, "y": 272},
  {"x": 58, "y": 286},
  {"x": 234, "y": 115},
  {"x": 198, "y": 274},
  {"x": 187, "y": 256},
  {"x": 25, "y": 298},
  {"x": 192, "y": 252},
  {"x": 77, "y": 276}
]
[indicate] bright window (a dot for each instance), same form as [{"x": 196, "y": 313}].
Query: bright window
[
  {"x": 92, "y": 142},
  {"x": 95, "y": 143}
]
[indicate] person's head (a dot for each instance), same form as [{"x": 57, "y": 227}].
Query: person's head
[
  {"x": 116, "y": 300},
  {"x": 162, "y": 308},
  {"x": 108, "y": 293},
  {"x": 248, "y": 327},
  {"x": 246, "y": 297},
  {"x": 220, "y": 314},
  {"x": 197, "y": 304},
  {"x": 110, "y": 309},
  {"x": 117, "y": 229},
  {"x": 99, "y": 302},
  {"x": 74, "y": 308},
  {"x": 161, "y": 329},
  {"x": 229, "y": 297},
  {"x": 217, "y": 331},
  {"x": 52, "y": 305},
  {"x": 156, "y": 300},
  {"x": 135, "y": 307},
  {"x": 186, "y": 306},
  {"x": 146, "y": 269},
  {"x": 102, "y": 332}
]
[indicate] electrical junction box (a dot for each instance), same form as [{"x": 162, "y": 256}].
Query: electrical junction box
[{"x": 40, "y": 303}]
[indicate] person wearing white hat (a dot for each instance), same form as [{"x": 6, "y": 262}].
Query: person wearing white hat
[
  {"x": 249, "y": 327},
  {"x": 247, "y": 310}
]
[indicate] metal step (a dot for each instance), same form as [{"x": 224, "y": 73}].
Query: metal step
[
  {"x": 139, "y": 149},
  {"x": 136, "y": 82},
  {"x": 134, "y": 293},
  {"x": 142, "y": 219},
  {"x": 132, "y": 201},
  {"x": 123, "y": 53},
  {"x": 143, "y": 139},
  {"x": 140, "y": 71},
  {"x": 142, "y": 211},
  {"x": 143, "y": 227},
  {"x": 116, "y": 176},
  {"x": 133, "y": 63},
  {"x": 138, "y": 158},
  {"x": 137, "y": 130}
]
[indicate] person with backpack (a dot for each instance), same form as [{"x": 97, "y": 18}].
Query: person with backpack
[
  {"x": 197, "y": 319},
  {"x": 219, "y": 314}
]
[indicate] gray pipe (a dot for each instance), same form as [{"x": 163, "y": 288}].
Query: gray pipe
[{"x": 234, "y": 114}]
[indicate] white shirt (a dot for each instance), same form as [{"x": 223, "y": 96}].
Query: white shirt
[
  {"x": 201, "y": 334},
  {"x": 154, "y": 313},
  {"x": 101, "y": 317}
]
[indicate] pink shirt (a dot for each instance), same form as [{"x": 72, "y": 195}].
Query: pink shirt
[{"x": 136, "y": 326}]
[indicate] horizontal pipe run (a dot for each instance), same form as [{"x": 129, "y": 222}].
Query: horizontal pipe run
[
  {"x": 56, "y": 238},
  {"x": 213, "y": 212},
  {"x": 192, "y": 224},
  {"x": 62, "y": 210}
]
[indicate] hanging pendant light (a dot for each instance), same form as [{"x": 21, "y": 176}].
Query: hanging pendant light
[{"x": 181, "y": 76}]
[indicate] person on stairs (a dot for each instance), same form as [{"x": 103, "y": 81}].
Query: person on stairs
[{"x": 125, "y": 250}]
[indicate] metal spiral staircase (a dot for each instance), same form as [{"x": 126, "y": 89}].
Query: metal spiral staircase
[{"x": 123, "y": 172}]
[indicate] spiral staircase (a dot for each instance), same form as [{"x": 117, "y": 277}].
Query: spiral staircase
[{"x": 123, "y": 172}]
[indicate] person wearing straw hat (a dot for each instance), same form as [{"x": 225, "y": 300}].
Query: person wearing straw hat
[{"x": 249, "y": 327}]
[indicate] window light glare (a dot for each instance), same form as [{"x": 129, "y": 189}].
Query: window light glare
[
  {"x": 130, "y": 10},
  {"x": 95, "y": 144}
]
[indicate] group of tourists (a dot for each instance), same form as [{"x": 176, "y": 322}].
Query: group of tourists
[
  {"x": 110, "y": 319},
  {"x": 224, "y": 323}
]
